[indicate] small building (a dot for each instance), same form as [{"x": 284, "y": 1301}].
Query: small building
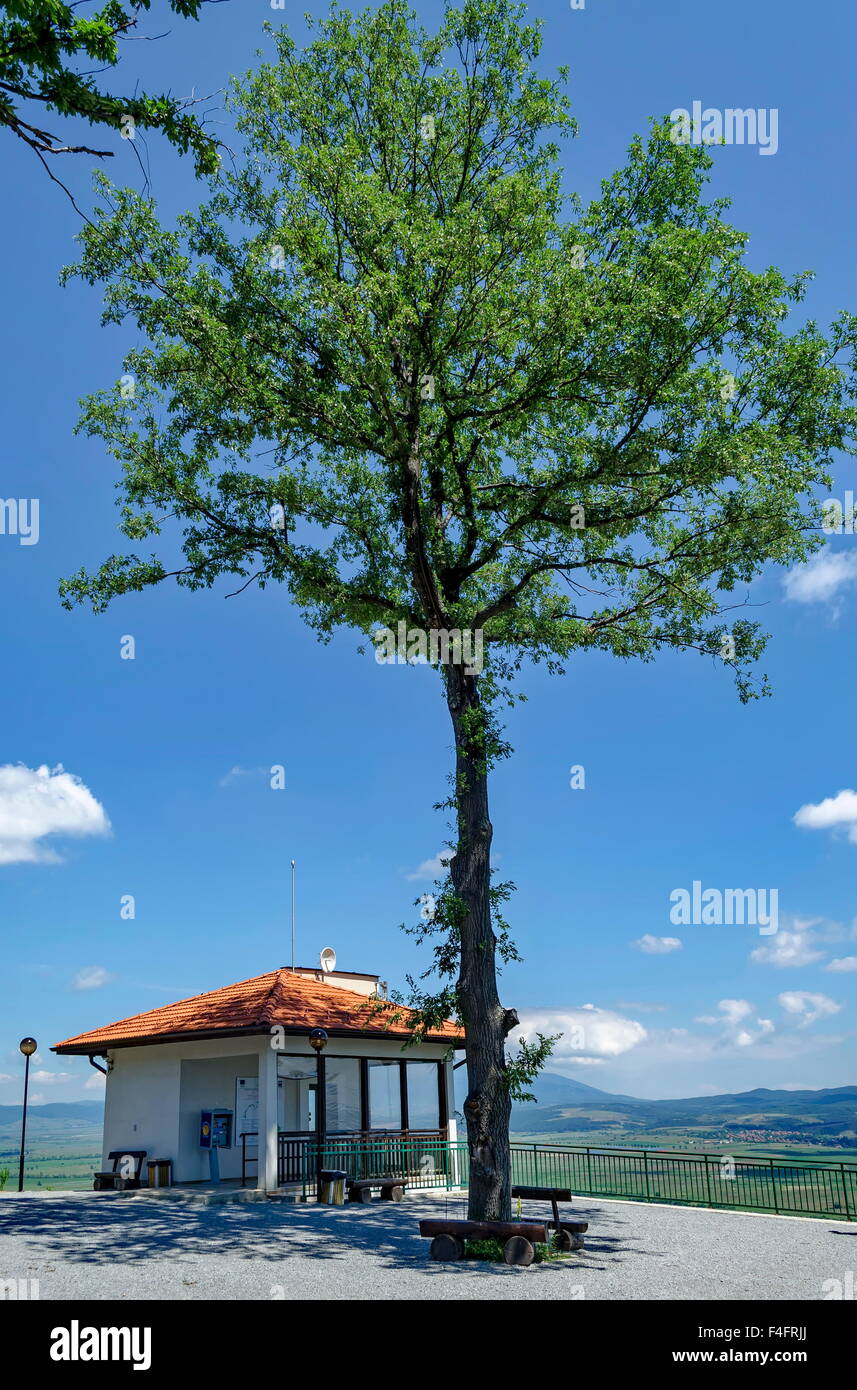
[{"x": 245, "y": 1051}]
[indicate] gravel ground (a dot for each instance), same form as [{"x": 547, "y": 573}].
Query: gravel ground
[{"x": 101, "y": 1247}]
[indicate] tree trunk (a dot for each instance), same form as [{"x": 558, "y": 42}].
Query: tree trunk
[{"x": 488, "y": 1106}]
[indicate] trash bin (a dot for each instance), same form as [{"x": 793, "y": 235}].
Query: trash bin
[
  {"x": 160, "y": 1172},
  {"x": 333, "y": 1186}
]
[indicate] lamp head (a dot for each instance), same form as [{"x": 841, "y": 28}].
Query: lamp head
[
  {"x": 28, "y": 1046},
  {"x": 318, "y": 1039}
]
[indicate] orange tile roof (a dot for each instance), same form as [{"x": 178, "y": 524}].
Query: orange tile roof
[{"x": 295, "y": 1002}]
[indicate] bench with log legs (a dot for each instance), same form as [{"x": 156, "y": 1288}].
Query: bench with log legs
[
  {"x": 125, "y": 1173},
  {"x": 519, "y": 1238},
  {"x": 569, "y": 1234},
  {"x": 392, "y": 1188}
]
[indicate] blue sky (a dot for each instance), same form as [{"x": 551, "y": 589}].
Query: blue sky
[{"x": 173, "y": 750}]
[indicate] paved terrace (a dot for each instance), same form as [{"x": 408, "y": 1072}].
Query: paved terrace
[{"x": 102, "y": 1246}]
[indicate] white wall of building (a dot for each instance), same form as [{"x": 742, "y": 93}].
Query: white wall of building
[
  {"x": 154, "y": 1096},
  {"x": 155, "y": 1093}
]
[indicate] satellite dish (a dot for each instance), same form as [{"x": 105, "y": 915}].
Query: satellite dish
[{"x": 328, "y": 960}]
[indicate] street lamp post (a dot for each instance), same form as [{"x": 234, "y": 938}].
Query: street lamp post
[
  {"x": 28, "y": 1047},
  {"x": 318, "y": 1042}
]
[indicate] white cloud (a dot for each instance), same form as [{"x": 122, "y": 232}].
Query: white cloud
[
  {"x": 432, "y": 868},
  {"x": 842, "y": 964},
  {"x": 37, "y": 802},
  {"x": 91, "y": 977},
  {"x": 589, "y": 1034},
  {"x": 731, "y": 1011},
  {"x": 735, "y": 1009},
  {"x": 52, "y": 1078},
  {"x": 656, "y": 945},
  {"x": 833, "y": 811},
  {"x": 821, "y": 578},
  {"x": 807, "y": 1007},
  {"x": 95, "y": 1082},
  {"x": 787, "y": 949},
  {"x": 236, "y": 772},
  {"x": 732, "y": 1017}
]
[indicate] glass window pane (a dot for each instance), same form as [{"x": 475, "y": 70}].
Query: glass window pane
[
  {"x": 423, "y": 1101},
  {"x": 385, "y": 1097},
  {"x": 296, "y": 1066},
  {"x": 342, "y": 1093}
]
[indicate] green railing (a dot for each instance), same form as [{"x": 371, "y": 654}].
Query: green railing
[
  {"x": 423, "y": 1162},
  {"x": 786, "y": 1187},
  {"x": 790, "y": 1187}
]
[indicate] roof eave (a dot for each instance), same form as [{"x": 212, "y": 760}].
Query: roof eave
[{"x": 98, "y": 1049}]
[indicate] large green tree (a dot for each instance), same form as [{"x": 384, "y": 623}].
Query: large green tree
[
  {"x": 52, "y": 55},
  {"x": 390, "y": 366}
]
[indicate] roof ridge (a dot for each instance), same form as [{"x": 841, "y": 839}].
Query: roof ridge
[
  {"x": 174, "y": 1003},
  {"x": 269, "y": 1005}
]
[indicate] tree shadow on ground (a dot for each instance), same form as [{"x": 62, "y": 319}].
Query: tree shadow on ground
[{"x": 105, "y": 1231}]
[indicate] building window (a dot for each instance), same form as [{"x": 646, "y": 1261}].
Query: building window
[
  {"x": 342, "y": 1094},
  {"x": 385, "y": 1097},
  {"x": 423, "y": 1098},
  {"x": 297, "y": 1088}
]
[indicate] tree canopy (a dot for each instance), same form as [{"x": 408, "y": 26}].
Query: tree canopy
[{"x": 43, "y": 45}]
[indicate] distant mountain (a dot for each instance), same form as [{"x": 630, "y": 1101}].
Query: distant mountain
[
  {"x": 552, "y": 1089},
  {"x": 86, "y": 1111},
  {"x": 565, "y": 1105}
]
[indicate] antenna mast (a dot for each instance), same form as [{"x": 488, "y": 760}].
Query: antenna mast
[{"x": 293, "y": 914}]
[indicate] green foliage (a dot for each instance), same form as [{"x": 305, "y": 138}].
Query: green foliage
[
  {"x": 350, "y": 258},
  {"x": 47, "y": 52},
  {"x": 390, "y": 367},
  {"x": 4, "y": 1178},
  {"x": 484, "y": 1249},
  {"x": 549, "y": 1250},
  {"x": 524, "y": 1067},
  {"x": 493, "y": 1250}
]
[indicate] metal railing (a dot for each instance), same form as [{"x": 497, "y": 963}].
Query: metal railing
[
  {"x": 363, "y": 1154},
  {"x": 791, "y": 1187},
  {"x": 423, "y": 1160}
]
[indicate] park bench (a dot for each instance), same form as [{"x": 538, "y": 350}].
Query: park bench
[
  {"x": 519, "y": 1238},
  {"x": 391, "y": 1184},
  {"x": 569, "y": 1234},
  {"x": 119, "y": 1179}
]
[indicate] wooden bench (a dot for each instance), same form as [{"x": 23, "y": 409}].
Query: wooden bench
[
  {"x": 117, "y": 1180},
  {"x": 569, "y": 1234},
  {"x": 519, "y": 1238},
  {"x": 392, "y": 1188}
]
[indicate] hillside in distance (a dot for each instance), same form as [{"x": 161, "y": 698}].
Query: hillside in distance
[
  {"x": 63, "y": 1143},
  {"x": 86, "y": 1112},
  {"x": 564, "y": 1106}
]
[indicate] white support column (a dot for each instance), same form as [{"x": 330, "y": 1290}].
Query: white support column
[
  {"x": 450, "y": 1098},
  {"x": 452, "y": 1131},
  {"x": 267, "y": 1116}
]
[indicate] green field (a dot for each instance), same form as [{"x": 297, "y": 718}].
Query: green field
[
  {"x": 65, "y": 1155},
  {"x": 688, "y": 1140}
]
